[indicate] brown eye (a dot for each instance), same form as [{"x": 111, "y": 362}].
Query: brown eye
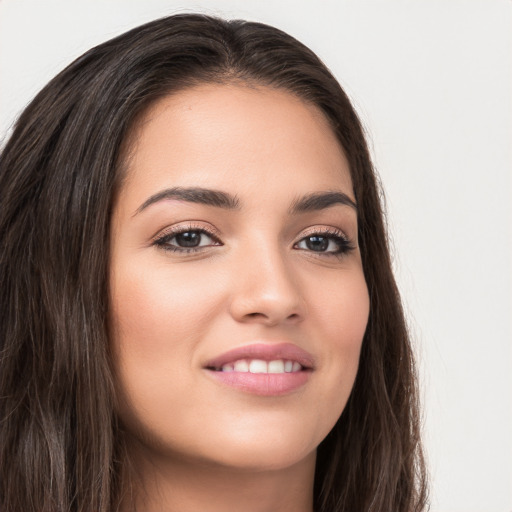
[
  {"x": 186, "y": 241},
  {"x": 325, "y": 243},
  {"x": 317, "y": 243}
]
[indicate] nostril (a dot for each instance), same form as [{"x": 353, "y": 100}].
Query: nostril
[
  {"x": 255, "y": 315},
  {"x": 253, "y": 304}
]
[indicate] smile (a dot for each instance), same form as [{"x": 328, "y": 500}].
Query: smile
[
  {"x": 261, "y": 366},
  {"x": 263, "y": 369}
]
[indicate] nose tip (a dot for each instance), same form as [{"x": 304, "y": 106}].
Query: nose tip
[
  {"x": 270, "y": 315},
  {"x": 267, "y": 294}
]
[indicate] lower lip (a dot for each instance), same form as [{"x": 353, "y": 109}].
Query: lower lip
[{"x": 264, "y": 384}]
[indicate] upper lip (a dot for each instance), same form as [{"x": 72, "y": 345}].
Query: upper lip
[{"x": 265, "y": 352}]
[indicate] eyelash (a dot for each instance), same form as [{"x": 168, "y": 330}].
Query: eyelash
[
  {"x": 344, "y": 244},
  {"x": 163, "y": 240}
]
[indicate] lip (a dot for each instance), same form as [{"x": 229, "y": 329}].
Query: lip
[
  {"x": 263, "y": 384},
  {"x": 265, "y": 352}
]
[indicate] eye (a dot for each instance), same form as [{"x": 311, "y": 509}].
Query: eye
[
  {"x": 186, "y": 240},
  {"x": 328, "y": 243}
]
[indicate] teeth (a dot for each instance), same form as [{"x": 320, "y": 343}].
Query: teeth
[
  {"x": 260, "y": 366},
  {"x": 241, "y": 366},
  {"x": 276, "y": 366}
]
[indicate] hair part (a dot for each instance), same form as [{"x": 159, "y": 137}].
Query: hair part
[{"x": 59, "y": 175}]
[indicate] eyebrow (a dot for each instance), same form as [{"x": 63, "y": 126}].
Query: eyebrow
[
  {"x": 308, "y": 203},
  {"x": 320, "y": 201},
  {"x": 194, "y": 195}
]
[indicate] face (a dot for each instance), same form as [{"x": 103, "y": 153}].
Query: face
[{"x": 238, "y": 300}]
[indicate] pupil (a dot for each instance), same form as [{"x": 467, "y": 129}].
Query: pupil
[
  {"x": 188, "y": 239},
  {"x": 317, "y": 243}
]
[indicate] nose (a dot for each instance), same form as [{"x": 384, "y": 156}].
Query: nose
[{"x": 266, "y": 291}]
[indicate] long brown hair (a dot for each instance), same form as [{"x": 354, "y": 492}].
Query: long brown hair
[{"x": 59, "y": 172}]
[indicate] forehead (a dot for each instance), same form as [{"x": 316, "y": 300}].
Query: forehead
[{"x": 235, "y": 135}]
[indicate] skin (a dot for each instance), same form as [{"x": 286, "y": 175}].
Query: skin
[{"x": 196, "y": 443}]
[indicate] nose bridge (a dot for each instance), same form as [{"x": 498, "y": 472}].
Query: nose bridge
[{"x": 266, "y": 288}]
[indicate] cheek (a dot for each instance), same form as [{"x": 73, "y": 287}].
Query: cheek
[
  {"x": 157, "y": 312},
  {"x": 342, "y": 308},
  {"x": 160, "y": 318},
  {"x": 342, "y": 312},
  {"x": 157, "y": 320}
]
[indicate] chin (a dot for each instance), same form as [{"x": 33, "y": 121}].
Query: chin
[
  {"x": 267, "y": 448},
  {"x": 259, "y": 458}
]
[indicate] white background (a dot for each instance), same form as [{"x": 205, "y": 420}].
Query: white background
[{"x": 432, "y": 81}]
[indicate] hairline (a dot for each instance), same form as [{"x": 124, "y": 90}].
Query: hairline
[{"x": 228, "y": 78}]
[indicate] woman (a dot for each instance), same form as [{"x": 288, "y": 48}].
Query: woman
[{"x": 198, "y": 310}]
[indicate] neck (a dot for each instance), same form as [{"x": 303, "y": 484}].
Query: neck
[{"x": 172, "y": 484}]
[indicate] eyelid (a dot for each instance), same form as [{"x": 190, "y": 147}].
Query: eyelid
[
  {"x": 183, "y": 227},
  {"x": 324, "y": 230},
  {"x": 164, "y": 236},
  {"x": 346, "y": 243}
]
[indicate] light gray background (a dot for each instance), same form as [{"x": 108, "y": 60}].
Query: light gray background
[{"x": 432, "y": 81}]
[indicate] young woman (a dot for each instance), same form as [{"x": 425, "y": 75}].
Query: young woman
[{"x": 197, "y": 308}]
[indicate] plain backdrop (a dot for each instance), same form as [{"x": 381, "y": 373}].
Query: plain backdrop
[{"x": 432, "y": 81}]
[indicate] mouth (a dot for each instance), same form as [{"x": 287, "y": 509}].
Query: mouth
[
  {"x": 263, "y": 369},
  {"x": 261, "y": 366}
]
